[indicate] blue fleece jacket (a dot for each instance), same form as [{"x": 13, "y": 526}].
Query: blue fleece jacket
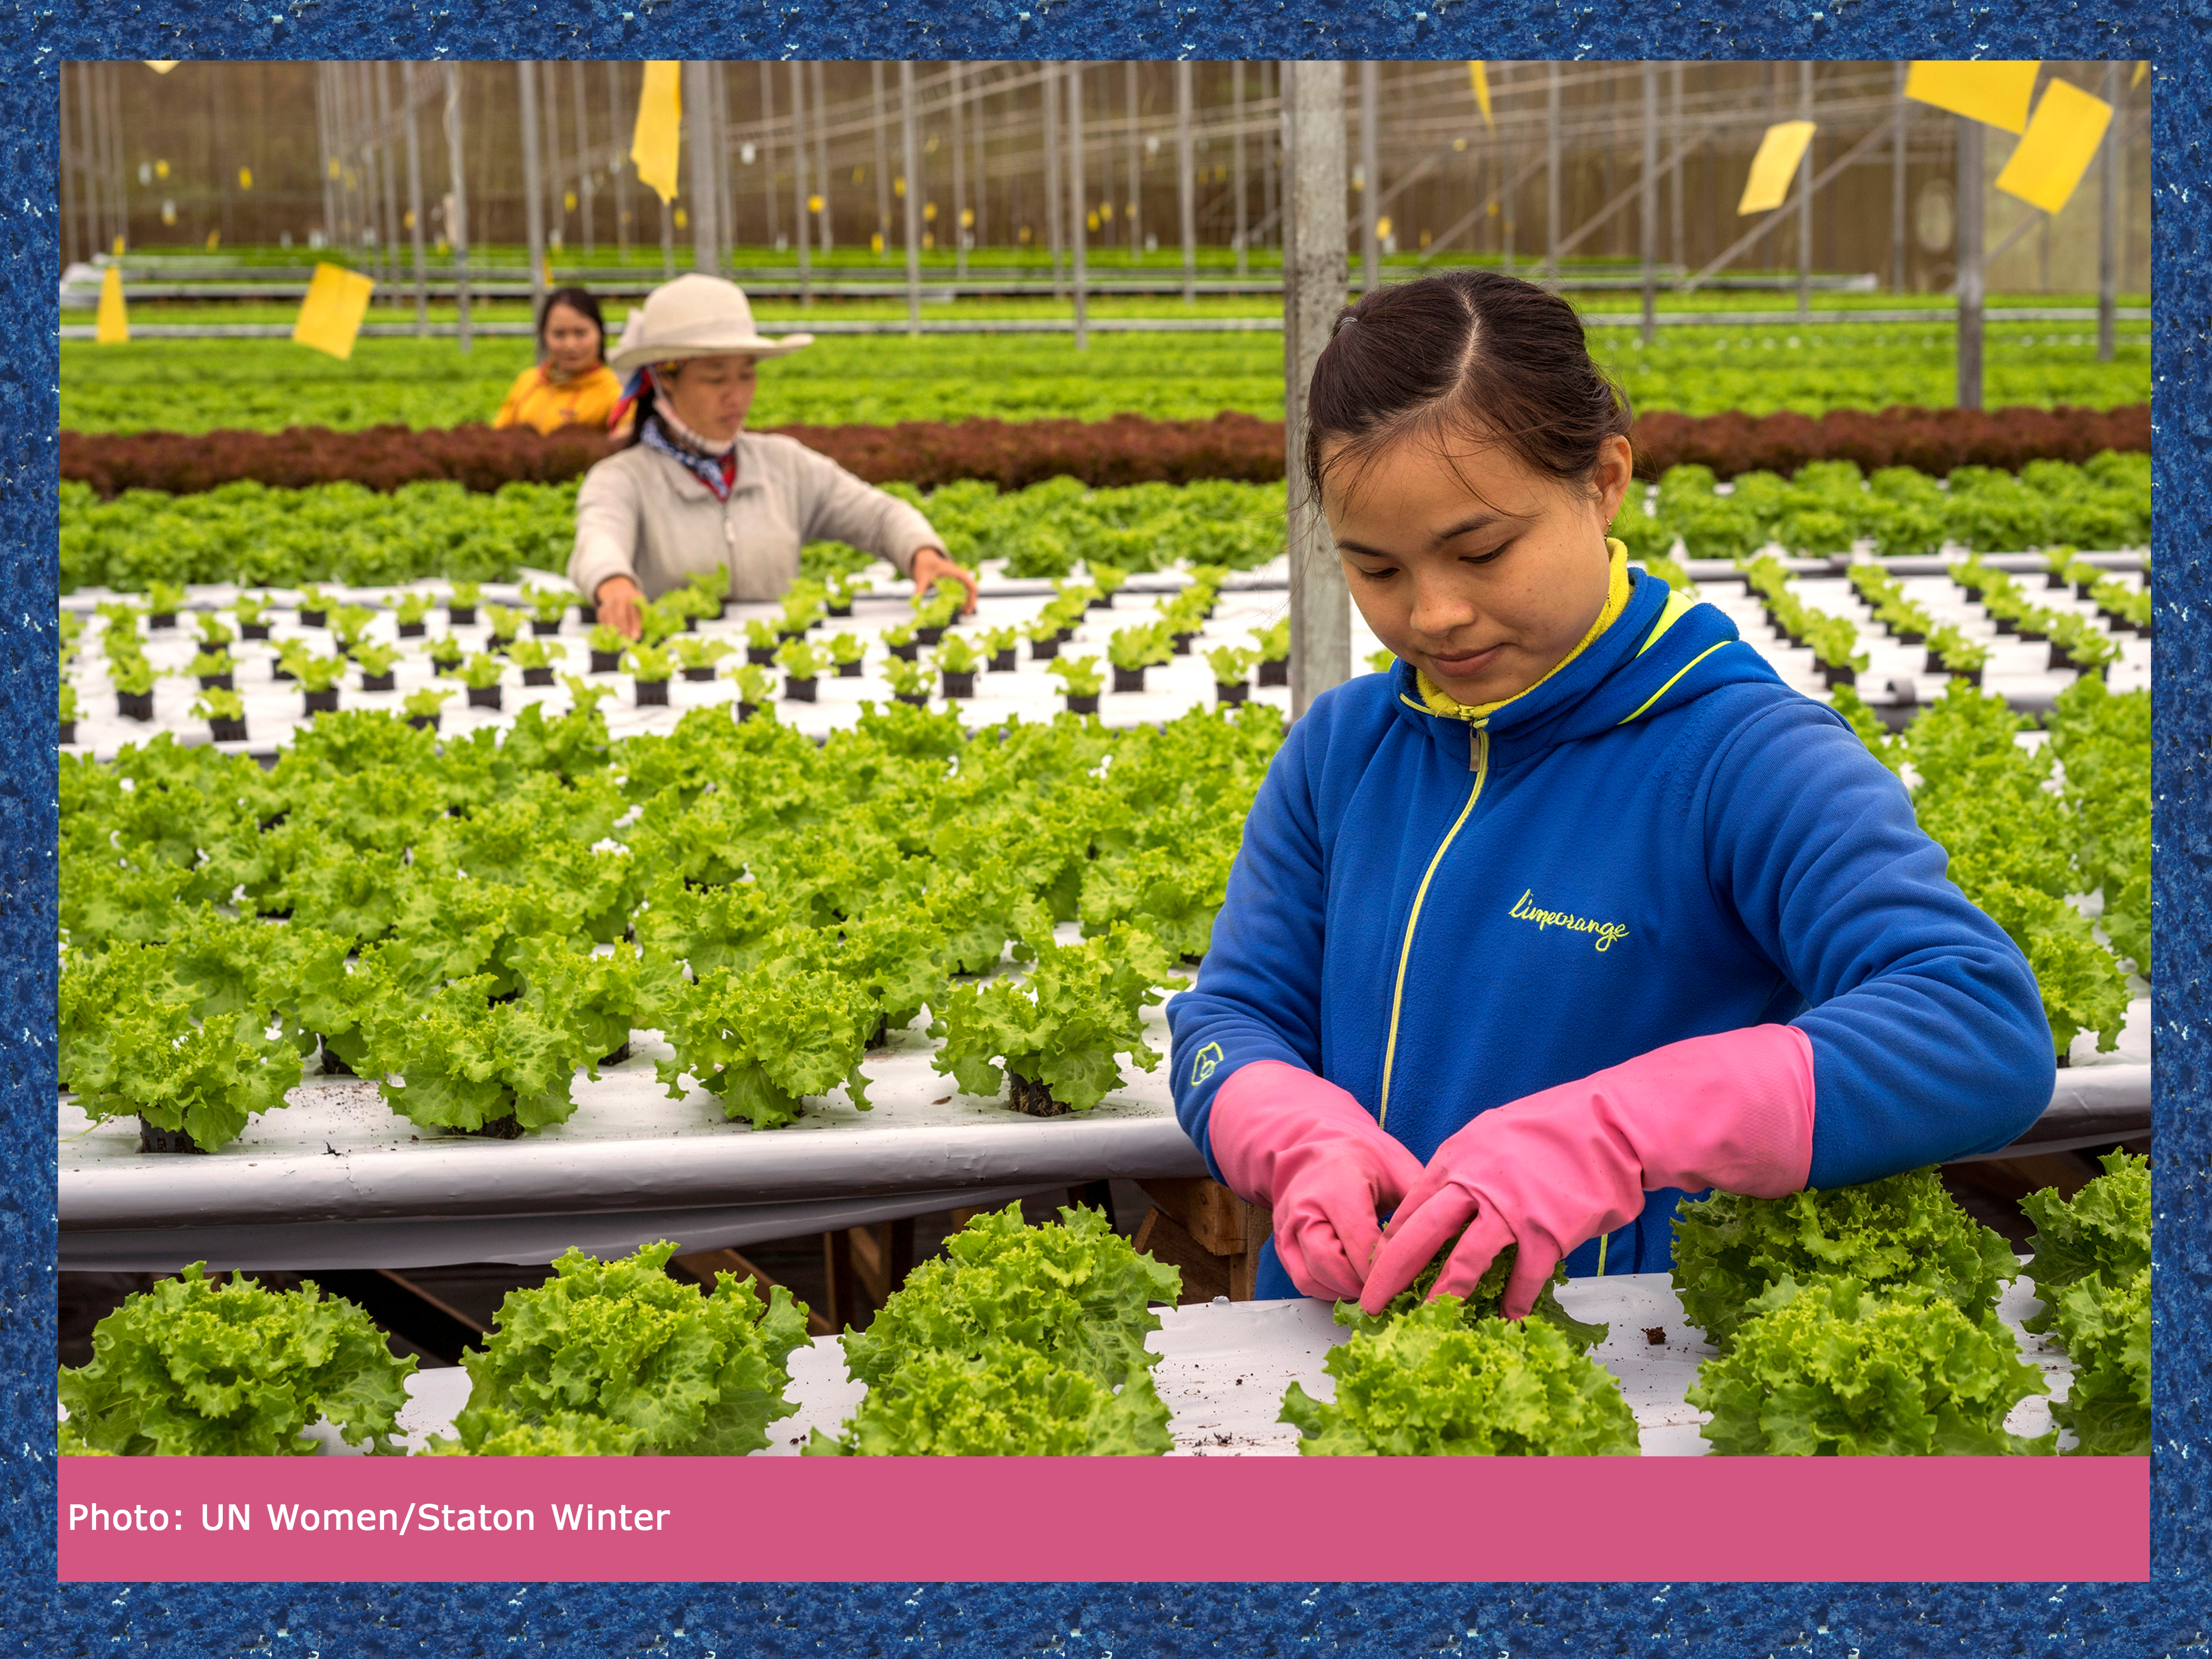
[{"x": 1661, "y": 841}]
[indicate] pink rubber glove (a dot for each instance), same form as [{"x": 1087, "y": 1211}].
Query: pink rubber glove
[
  {"x": 1300, "y": 1145},
  {"x": 1552, "y": 1169}
]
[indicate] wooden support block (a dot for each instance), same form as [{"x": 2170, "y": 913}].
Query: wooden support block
[
  {"x": 1204, "y": 1275},
  {"x": 1219, "y": 1220},
  {"x": 703, "y": 1265}
]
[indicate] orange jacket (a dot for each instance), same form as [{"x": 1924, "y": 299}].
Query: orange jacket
[{"x": 535, "y": 401}]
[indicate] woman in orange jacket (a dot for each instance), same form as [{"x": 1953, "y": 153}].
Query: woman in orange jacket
[{"x": 571, "y": 383}]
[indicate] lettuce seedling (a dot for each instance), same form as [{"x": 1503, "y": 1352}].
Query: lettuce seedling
[
  {"x": 461, "y": 1062},
  {"x": 668, "y": 1370},
  {"x": 1007, "y": 1402},
  {"x": 1829, "y": 1368},
  {"x": 1078, "y": 675},
  {"x": 765, "y": 1041},
  {"x": 197, "y": 1368},
  {"x": 1433, "y": 1383},
  {"x": 1482, "y": 1301}
]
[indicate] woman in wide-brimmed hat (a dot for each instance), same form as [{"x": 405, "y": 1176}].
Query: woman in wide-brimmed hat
[{"x": 694, "y": 491}]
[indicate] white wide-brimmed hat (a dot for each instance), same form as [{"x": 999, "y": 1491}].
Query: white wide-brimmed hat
[{"x": 694, "y": 316}]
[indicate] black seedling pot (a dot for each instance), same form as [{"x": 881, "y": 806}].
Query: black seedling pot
[
  {"x": 413, "y": 630},
  {"x": 1033, "y": 1098},
  {"x": 1044, "y": 650},
  {"x": 927, "y": 635},
  {"x": 798, "y": 690},
  {"x": 1275, "y": 673},
  {"x": 1129, "y": 679},
  {"x": 314, "y": 619},
  {"x": 484, "y": 696},
  {"x": 154, "y": 1138},
  {"x": 606, "y": 662},
  {"x": 228, "y": 730},
  {"x": 850, "y": 670},
  {"x": 218, "y": 682},
  {"x": 161, "y": 619},
  {"x": 383, "y": 682},
  {"x": 1002, "y": 662},
  {"x": 703, "y": 671},
  {"x": 911, "y": 700},
  {"x": 906, "y": 652},
  {"x": 959, "y": 684},
  {"x": 534, "y": 677},
  {"x": 253, "y": 630},
  {"x": 541, "y": 629},
  {"x": 761, "y": 656},
  {"x": 322, "y": 703},
  {"x": 68, "y": 732},
  {"x": 500, "y": 1128},
  {"x": 460, "y": 614},
  {"x": 423, "y": 722},
  {"x": 135, "y": 705},
  {"x": 1239, "y": 692},
  {"x": 1182, "y": 644},
  {"x": 653, "y": 694},
  {"x": 1082, "y": 705}
]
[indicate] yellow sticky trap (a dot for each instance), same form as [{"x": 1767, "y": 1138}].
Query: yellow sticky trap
[
  {"x": 118, "y": 249},
  {"x": 245, "y": 177},
  {"x": 111, "y": 324},
  {"x": 331, "y": 315},
  {"x": 1996, "y": 93},
  {"x": 655, "y": 140},
  {"x": 2142, "y": 69},
  {"x": 2058, "y": 148},
  {"x": 569, "y": 201},
  {"x": 814, "y": 203},
  {"x": 1775, "y": 165},
  {"x": 1480, "y": 82},
  {"x": 161, "y": 66},
  {"x": 215, "y": 240}
]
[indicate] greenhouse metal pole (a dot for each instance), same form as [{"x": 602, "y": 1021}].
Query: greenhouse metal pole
[
  {"x": 883, "y": 237},
  {"x": 1049, "y": 100},
  {"x": 1236, "y": 100},
  {"x": 621, "y": 167},
  {"x": 983, "y": 200},
  {"x": 88, "y": 178},
  {"x": 557, "y": 188},
  {"x": 1969, "y": 193},
  {"x": 668, "y": 239},
  {"x": 391, "y": 172},
  {"x": 1366, "y": 186},
  {"x": 1315, "y": 279},
  {"x": 533, "y": 204},
  {"x": 1136, "y": 214},
  {"x": 1271, "y": 160},
  {"x": 1897, "y": 187},
  {"x": 1552, "y": 176},
  {"x": 2108, "y": 219},
  {"x": 768, "y": 154},
  {"x": 823, "y": 233},
  {"x": 1647, "y": 212},
  {"x": 725, "y": 184},
  {"x": 910, "y": 150},
  {"x": 1805, "y": 196},
  {"x": 1078, "y": 190},
  {"x": 585, "y": 170},
  {"x": 706, "y": 193},
  {"x": 324, "y": 148},
  {"x": 1187, "y": 183},
  {"x": 1677, "y": 180},
  {"x": 415, "y": 203},
  {"x": 803, "y": 235},
  {"x": 457, "y": 213},
  {"x": 960, "y": 178},
  {"x": 1506, "y": 181}
]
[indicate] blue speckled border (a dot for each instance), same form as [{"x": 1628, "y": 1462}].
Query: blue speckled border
[{"x": 1077, "y": 1620}]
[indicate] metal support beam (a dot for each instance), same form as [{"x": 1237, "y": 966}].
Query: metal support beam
[
  {"x": 1648, "y": 210},
  {"x": 824, "y": 234},
  {"x": 623, "y": 131},
  {"x": 1136, "y": 204},
  {"x": 2108, "y": 218},
  {"x": 1236, "y": 105},
  {"x": 1805, "y": 196},
  {"x": 587, "y": 186},
  {"x": 1052, "y": 182},
  {"x": 959, "y": 175},
  {"x": 766, "y": 151},
  {"x": 533, "y": 204},
  {"x": 414, "y": 202},
  {"x": 803, "y": 232},
  {"x": 706, "y": 191},
  {"x": 1368, "y": 183},
  {"x": 390, "y": 173},
  {"x": 1676, "y": 182},
  {"x": 1551, "y": 174},
  {"x": 1507, "y": 224},
  {"x": 1968, "y": 193},
  {"x": 457, "y": 214},
  {"x": 1897, "y": 187},
  {"x": 1078, "y": 229},
  {"x": 883, "y": 238},
  {"x": 1314, "y": 283},
  {"x": 911, "y": 162},
  {"x": 1187, "y": 181}
]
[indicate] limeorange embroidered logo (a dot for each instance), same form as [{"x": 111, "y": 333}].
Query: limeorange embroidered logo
[
  {"x": 1203, "y": 1062},
  {"x": 1609, "y": 933}
]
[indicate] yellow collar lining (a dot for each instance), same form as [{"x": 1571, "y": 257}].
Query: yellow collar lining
[{"x": 1618, "y": 588}]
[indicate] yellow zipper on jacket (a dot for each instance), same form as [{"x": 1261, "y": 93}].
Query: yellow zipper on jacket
[{"x": 1478, "y": 760}]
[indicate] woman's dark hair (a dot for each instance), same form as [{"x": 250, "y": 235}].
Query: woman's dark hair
[
  {"x": 579, "y": 301},
  {"x": 1473, "y": 352}
]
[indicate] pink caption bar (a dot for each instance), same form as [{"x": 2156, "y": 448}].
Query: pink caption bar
[{"x": 440, "y": 1520}]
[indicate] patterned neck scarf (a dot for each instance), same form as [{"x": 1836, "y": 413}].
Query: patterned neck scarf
[{"x": 713, "y": 465}]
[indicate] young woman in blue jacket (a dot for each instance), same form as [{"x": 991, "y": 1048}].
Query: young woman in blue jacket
[{"x": 1578, "y": 910}]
